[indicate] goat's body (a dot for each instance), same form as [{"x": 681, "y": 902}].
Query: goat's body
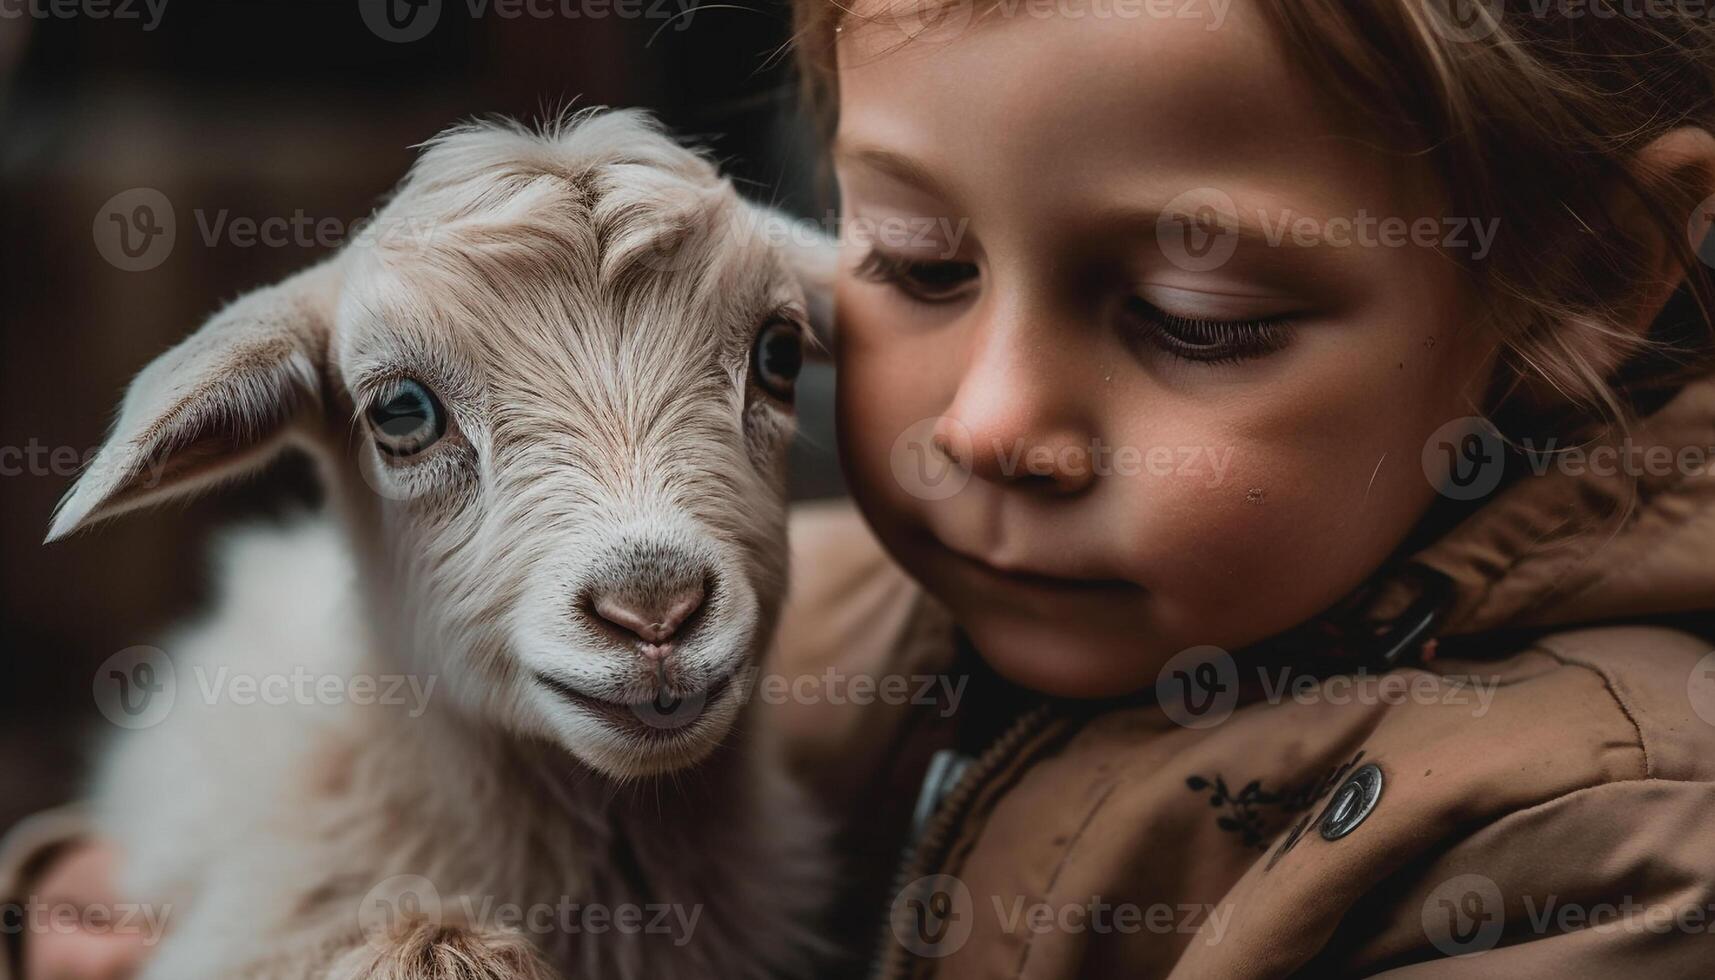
[
  {"x": 571, "y": 393},
  {"x": 265, "y": 826}
]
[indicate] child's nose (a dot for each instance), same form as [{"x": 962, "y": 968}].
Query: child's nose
[
  {"x": 1059, "y": 464},
  {"x": 1011, "y": 423}
]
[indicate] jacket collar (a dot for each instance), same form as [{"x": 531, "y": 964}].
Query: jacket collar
[{"x": 1593, "y": 534}]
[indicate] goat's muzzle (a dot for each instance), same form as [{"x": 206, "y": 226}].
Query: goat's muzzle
[
  {"x": 649, "y": 597},
  {"x": 651, "y": 620}
]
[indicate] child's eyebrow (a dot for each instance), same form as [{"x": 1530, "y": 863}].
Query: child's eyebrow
[
  {"x": 1258, "y": 225},
  {"x": 1145, "y": 220},
  {"x": 891, "y": 163}
]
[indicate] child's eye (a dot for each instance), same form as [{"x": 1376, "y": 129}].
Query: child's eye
[
  {"x": 926, "y": 281},
  {"x": 1208, "y": 341}
]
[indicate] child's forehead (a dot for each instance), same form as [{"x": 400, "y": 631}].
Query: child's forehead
[
  {"x": 1043, "y": 52},
  {"x": 1091, "y": 109}
]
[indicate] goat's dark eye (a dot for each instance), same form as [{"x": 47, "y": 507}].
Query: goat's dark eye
[
  {"x": 777, "y": 358},
  {"x": 406, "y": 418}
]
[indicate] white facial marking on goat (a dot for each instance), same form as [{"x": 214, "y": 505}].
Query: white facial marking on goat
[{"x": 589, "y": 333}]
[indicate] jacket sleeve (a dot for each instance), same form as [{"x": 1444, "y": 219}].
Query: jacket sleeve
[{"x": 1617, "y": 879}]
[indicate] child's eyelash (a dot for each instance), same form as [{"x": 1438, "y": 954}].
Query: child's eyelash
[
  {"x": 924, "y": 280},
  {"x": 1206, "y": 341}
]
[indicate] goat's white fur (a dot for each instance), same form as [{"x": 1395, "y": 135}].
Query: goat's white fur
[{"x": 583, "y": 299}]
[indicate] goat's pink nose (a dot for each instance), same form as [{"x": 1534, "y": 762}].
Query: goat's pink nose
[{"x": 653, "y": 622}]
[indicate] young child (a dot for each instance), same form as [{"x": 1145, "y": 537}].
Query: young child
[
  {"x": 1281, "y": 438},
  {"x": 1152, "y": 446}
]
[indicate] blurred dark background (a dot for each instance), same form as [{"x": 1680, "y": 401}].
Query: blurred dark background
[{"x": 266, "y": 109}]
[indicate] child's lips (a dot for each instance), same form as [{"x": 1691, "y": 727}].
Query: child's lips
[{"x": 1020, "y": 575}]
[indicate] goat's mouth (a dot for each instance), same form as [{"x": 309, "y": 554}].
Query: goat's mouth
[{"x": 671, "y": 715}]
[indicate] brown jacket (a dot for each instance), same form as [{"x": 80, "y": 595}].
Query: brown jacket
[{"x": 1546, "y": 805}]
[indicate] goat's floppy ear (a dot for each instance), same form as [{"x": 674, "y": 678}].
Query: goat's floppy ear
[{"x": 217, "y": 405}]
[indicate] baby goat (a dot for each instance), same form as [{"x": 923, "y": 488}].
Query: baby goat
[{"x": 550, "y": 395}]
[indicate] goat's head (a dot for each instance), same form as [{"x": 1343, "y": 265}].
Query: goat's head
[{"x": 552, "y": 389}]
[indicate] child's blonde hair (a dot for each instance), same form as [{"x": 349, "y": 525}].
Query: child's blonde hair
[{"x": 1530, "y": 112}]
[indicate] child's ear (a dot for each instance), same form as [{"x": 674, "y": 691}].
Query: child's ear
[
  {"x": 1678, "y": 166},
  {"x": 216, "y": 406}
]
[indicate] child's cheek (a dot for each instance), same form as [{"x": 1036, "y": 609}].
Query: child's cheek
[
  {"x": 1259, "y": 529},
  {"x": 891, "y": 384}
]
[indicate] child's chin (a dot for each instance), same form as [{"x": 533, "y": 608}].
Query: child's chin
[{"x": 1059, "y": 659}]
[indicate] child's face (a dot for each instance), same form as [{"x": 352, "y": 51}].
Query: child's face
[{"x": 1257, "y": 418}]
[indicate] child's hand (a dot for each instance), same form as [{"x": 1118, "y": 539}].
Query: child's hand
[{"x": 58, "y": 947}]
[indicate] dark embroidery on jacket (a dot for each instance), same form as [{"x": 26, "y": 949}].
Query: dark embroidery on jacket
[
  {"x": 1253, "y": 811},
  {"x": 1334, "y": 779}
]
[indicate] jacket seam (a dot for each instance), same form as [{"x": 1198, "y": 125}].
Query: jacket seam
[
  {"x": 1059, "y": 866},
  {"x": 1548, "y": 644},
  {"x": 1560, "y": 797}
]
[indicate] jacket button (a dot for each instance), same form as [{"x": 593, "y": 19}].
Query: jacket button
[{"x": 1352, "y": 802}]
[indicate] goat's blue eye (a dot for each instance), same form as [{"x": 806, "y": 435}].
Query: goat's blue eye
[
  {"x": 777, "y": 358},
  {"x": 406, "y": 418}
]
